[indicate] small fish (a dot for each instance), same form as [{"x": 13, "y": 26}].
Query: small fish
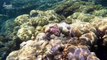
[{"x": 7, "y": 6}]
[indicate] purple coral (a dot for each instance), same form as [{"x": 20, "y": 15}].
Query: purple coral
[
  {"x": 80, "y": 53},
  {"x": 55, "y": 48},
  {"x": 54, "y": 30},
  {"x": 77, "y": 52}
]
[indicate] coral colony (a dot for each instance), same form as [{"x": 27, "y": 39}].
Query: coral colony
[{"x": 46, "y": 39}]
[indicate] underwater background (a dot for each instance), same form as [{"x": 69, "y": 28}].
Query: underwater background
[{"x": 53, "y": 29}]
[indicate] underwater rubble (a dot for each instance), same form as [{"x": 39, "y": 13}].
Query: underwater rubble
[{"x": 73, "y": 30}]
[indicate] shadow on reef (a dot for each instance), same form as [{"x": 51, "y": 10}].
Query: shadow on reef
[
  {"x": 100, "y": 50},
  {"x": 7, "y": 45}
]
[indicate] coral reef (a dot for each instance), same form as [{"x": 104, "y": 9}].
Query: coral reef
[
  {"x": 58, "y": 40},
  {"x": 74, "y": 30}
]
